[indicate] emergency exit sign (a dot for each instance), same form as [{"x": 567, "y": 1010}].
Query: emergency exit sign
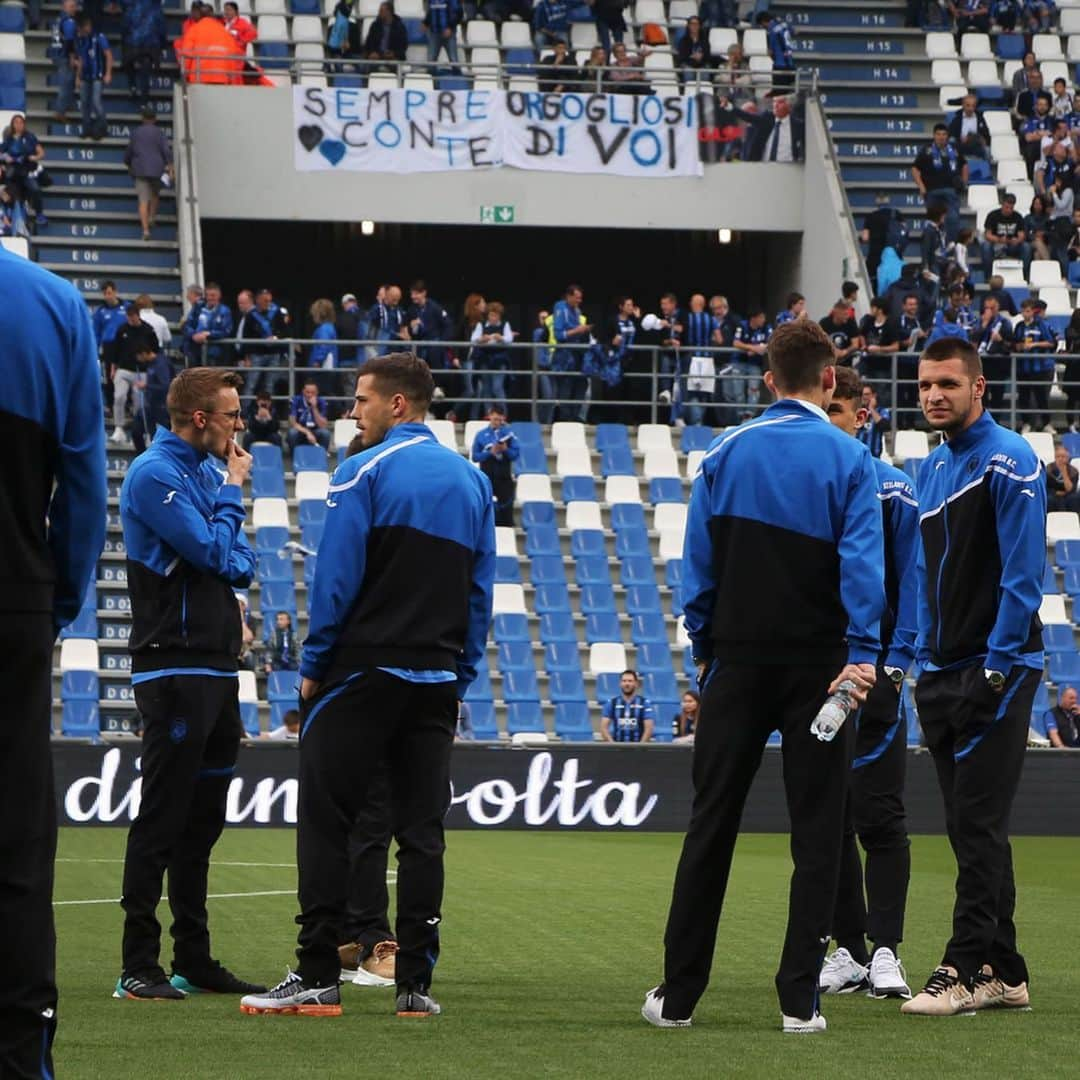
[{"x": 496, "y": 215}]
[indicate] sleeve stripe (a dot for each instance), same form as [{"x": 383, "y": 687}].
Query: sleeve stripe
[{"x": 368, "y": 465}]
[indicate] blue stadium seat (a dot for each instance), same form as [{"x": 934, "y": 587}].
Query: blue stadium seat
[
  {"x": 278, "y": 709},
  {"x": 557, "y": 626},
  {"x": 1058, "y": 639},
  {"x": 637, "y": 570},
  {"x": 566, "y": 686},
  {"x": 578, "y": 489},
  {"x": 273, "y": 55},
  {"x": 275, "y": 596},
  {"x": 11, "y": 19},
  {"x": 311, "y": 535},
  {"x": 480, "y": 689},
  {"x": 602, "y": 626},
  {"x": 537, "y": 513},
  {"x": 282, "y": 686},
  {"x": 529, "y": 433},
  {"x": 548, "y": 570},
  {"x": 592, "y": 570},
  {"x": 249, "y": 717},
  {"x": 696, "y": 437},
  {"x": 305, "y": 7},
  {"x": 661, "y": 685},
  {"x": 1064, "y": 667},
  {"x": 587, "y": 542},
  {"x": 611, "y": 435},
  {"x": 520, "y": 686},
  {"x": 617, "y": 461},
  {"x": 676, "y": 602},
  {"x": 274, "y": 568},
  {"x": 561, "y": 656},
  {"x": 542, "y": 540},
  {"x": 507, "y": 570},
  {"x": 980, "y": 173},
  {"x": 271, "y": 538},
  {"x": 627, "y": 516},
  {"x": 643, "y": 600},
  {"x": 533, "y": 459},
  {"x": 415, "y": 30},
  {"x": 648, "y": 629},
  {"x": 85, "y": 624},
  {"x": 689, "y": 667},
  {"x": 607, "y": 686},
  {"x": 632, "y": 541},
  {"x": 664, "y": 712},
  {"x": 482, "y": 717},
  {"x": 665, "y": 489},
  {"x": 1067, "y": 553},
  {"x": 511, "y": 628},
  {"x": 311, "y": 512},
  {"x": 551, "y": 598},
  {"x": 267, "y": 483},
  {"x": 1072, "y": 580},
  {"x": 1010, "y": 46},
  {"x": 914, "y": 731},
  {"x": 516, "y": 656},
  {"x": 524, "y": 716},
  {"x": 598, "y": 598},
  {"x": 309, "y": 459},
  {"x": 673, "y": 573},
  {"x": 520, "y": 61},
  {"x": 572, "y": 721},
  {"x": 310, "y": 562},
  {"x": 1042, "y": 699},
  {"x": 12, "y": 97},
  {"x": 80, "y": 686},
  {"x": 1049, "y": 580},
  {"x": 655, "y": 656},
  {"x": 81, "y": 720}
]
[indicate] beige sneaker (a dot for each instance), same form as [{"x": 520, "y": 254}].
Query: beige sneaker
[
  {"x": 349, "y": 955},
  {"x": 379, "y": 967},
  {"x": 943, "y": 995},
  {"x": 991, "y": 993}
]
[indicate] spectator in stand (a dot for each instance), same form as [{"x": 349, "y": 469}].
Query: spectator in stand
[
  {"x": 996, "y": 289},
  {"x": 570, "y": 328},
  {"x": 1060, "y": 100},
  {"x": 693, "y": 52},
  {"x": 872, "y": 433},
  {"x": 108, "y": 318},
  {"x": 209, "y": 324},
  {"x": 242, "y": 30},
  {"x": 1039, "y": 15},
  {"x": 144, "y": 37},
  {"x": 262, "y": 424},
  {"x": 543, "y": 342},
  {"x": 994, "y": 344},
  {"x": 1020, "y": 76},
  {"x": 947, "y": 325},
  {"x": 387, "y": 40},
  {"x": 593, "y": 73},
  {"x": 843, "y": 332},
  {"x": 1037, "y": 227},
  {"x": 289, "y": 729},
  {"x": 849, "y": 290},
  {"x": 727, "y": 323},
  {"x": 610, "y": 23},
  {"x": 307, "y": 419},
  {"x": 558, "y": 73},
  {"x": 281, "y": 645},
  {"x": 264, "y": 301},
  {"x": 251, "y": 327},
  {"x": 1057, "y": 138},
  {"x": 323, "y": 354},
  {"x": 740, "y": 384},
  {"x": 781, "y": 49},
  {"x": 149, "y": 160},
  {"x": 627, "y": 74},
  {"x": 1061, "y": 483},
  {"x": 1061, "y": 724},
  {"x": 136, "y": 345},
  {"x": 1032, "y": 92},
  {"x": 699, "y": 337},
  {"x": 156, "y": 322},
  {"x": 733, "y": 79},
  {"x": 61, "y": 52},
  {"x": 669, "y": 325},
  {"x": 1004, "y": 236},
  {"x": 605, "y": 362},
  {"x": 441, "y": 20},
  {"x": 911, "y": 329},
  {"x": 968, "y": 130},
  {"x": 1033, "y": 129},
  {"x": 883, "y": 226},
  {"x": 721, "y": 13},
  {"x": 1036, "y": 339},
  {"x": 386, "y": 319},
  {"x": 427, "y": 321},
  {"x": 351, "y": 325},
  {"x": 491, "y": 358},
  {"x": 970, "y": 15},
  {"x": 93, "y": 72},
  {"x": 1065, "y": 242},
  {"x": 881, "y": 340},
  {"x": 20, "y": 155},
  {"x": 682, "y": 727},
  {"x": 495, "y": 449},
  {"x": 940, "y": 172},
  {"x": 961, "y": 298},
  {"x": 550, "y": 24},
  {"x": 195, "y": 298},
  {"x": 1061, "y": 219},
  {"x": 628, "y": 717},
  {"x": 794, "y": 309},
  {"x": 156, "y": 375}
]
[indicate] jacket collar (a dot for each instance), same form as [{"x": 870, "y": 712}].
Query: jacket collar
[
  {"x": 792, "y": 404},
  {"x": 972, "y": 435},
  {"x": 408, "y": 431},
  {"x": 179, "y": 448}
]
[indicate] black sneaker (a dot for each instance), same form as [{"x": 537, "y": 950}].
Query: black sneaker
[
  {"x": 213, "y": 978},
  {"x": 412, "y": 1001},
  {"x": 151, "y": 985}
]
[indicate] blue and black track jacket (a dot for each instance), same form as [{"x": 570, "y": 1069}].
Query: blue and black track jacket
[
  {"x": 52, "y": 471},
  {"x": 982, "y": 502},
  {"x": 186, "y": 552},
  {"x": 900, "y": 514},
  {"x": 406, "y": 565},
  {"x": 783, "y": 561}
]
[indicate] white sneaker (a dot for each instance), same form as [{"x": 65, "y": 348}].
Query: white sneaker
[
  {"x": 887, "y": 977},
  {"x": 292, "y": 997},
  {"x": 118, "y": 436},
  {"x": 841, "y": 974},
  {"x": 1050, "y": 429},
  {"x": 653, "y": 1010},
  {"x": 664, "y": 397},
  {"x": 794, "y": 1026}
]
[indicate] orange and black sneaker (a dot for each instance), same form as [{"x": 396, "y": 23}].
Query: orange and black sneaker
[{"x": 293, "y": 997}]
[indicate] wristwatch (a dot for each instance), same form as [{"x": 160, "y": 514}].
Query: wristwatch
[
  {"x": 994, "y": 679},
  {"x": 896, "y": 675}
]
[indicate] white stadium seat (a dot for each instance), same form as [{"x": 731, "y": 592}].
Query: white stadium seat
[
  {"x": 269, "y": 511},
  {"x": 755, "y": 43},
  {"x": 1055, "y": 69},
  {"x": 79, "y": 654},
  {"x": 693, "y": 463},
  {"x": 1072, "y": 52},
  {"x": 1002, "y": 148},
  {"x": 646, "y": 11},
  {"x": 1069, "y": 21},
  {"x": 671, "y": 544},
  {"x": 312, "y": 485},
  {"x": 1023, "y": 191},
  {"x": 523, "y": 84},
  {"x": 983, "y": 73},
  {"x": 940, "y": 45},
  {"x": 998, "y": 121},
  {"x": 515, "y": 35},
  {"x": 481, "y": 32},
  {"x": 583, "y": 515},
  {"x": 419, "y": 82},
  {"x": 1061, "y": 525},
  {"x": 721, "y": 38},
  {"x": 583, "y": 35},
  {"x": 247, "y": 690},
  {"x": 272, "y": 28},
  {"x": 1052, "y": 608},
  {"x": 653, "y": 437},
  {"x": 976, "y": 47},
  {"x": 344, "y": 432},
  {"x": 660, "y": 462},
  {"x": 382, "y": 80},
  {"x": 271, "y": 7},
  {"x": 445, "y": 432},
  {"x": 472, "y": 428},
  {"x": 911, "y": 445},
  {"x": 409, "y": 9},
  {"x": 17, "y": 245},
  {"x": 1046, "y": 47},
  {"x": 946, "y": 73},
  {"x": 1042, "y": 442},
  {"x": 508, "y": 600},
  {"x": 573, "y": 461},
  {"x": 682, "y": 10},
  {"x": 1009, "y": 171},
  {"x": 12, "y": 48},
  {"x": 1057, "y": 299},
  {"x": 669, "y": 516},
  {"x": 505, "y": 540},
  {"x": 533, "y": 487},
  {"x": 621, "y": 489},
  {"x": 1044, "y": 272},
  {"x": 983, "y": 196},
  {"x": 309, "y": 50},
  {"x": 308, "y": 28},
  {"x": 607, "y": 658},
  {"x": 949, "y": 97},
  {"x": 566, "y": 433}
]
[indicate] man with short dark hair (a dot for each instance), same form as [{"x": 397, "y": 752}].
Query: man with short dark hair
[
  {"x": 1004, "y": 236},
  {"x": 795, "y": 498},
  {"x": 880, "y": 341},
  {"x": 186, "y": 553},
  {"x": 93, "y": 72},
  {"x": 940, "y": 172},
  {"x": 1062, "y": 478},
  {"x": 1036, "y": 340},
  {"x": 1061, "y": 724},
  {"x": 982, "y": 506},
  {"x": 569, "y": 327},
  {"x": 628, "y": 717},
  {"x": 399, "y": 611},
  {"x": 968, "y": 130},
  {"x": 207, "y": 324},
  {"x": 740, "y": 383},
  {"x": 994, "y": 342},
  {"x": 308, "y": 425},
  {"x": 843, "y": 332},
  {"x": 495, "y": 449},
  {"x": 794, "y": 308},
  {"x": 136, "y": 346}
]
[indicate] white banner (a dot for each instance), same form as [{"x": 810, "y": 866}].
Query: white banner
[{"x": 408, "y": 131}]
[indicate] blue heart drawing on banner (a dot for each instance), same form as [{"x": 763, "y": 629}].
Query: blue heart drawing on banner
[{"x": 333, "y": 150}]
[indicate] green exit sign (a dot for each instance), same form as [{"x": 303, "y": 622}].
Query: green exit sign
[{"x": 496, "y": 215}]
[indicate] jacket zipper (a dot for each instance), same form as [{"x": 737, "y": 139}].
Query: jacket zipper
[
  {"x": 941, "y": 570},
  {"x": 183, "y": 611}
]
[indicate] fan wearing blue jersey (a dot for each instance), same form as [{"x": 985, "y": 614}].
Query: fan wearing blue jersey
[{"x": 628, "y": 717}]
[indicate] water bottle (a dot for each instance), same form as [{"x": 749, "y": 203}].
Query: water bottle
[{"x": 837, "y": 708}]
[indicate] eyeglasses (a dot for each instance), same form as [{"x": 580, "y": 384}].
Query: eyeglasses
[{"x": 232, "y": 414}]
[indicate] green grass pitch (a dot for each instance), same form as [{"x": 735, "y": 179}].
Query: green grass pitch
[{"x": 549, "y": 944}]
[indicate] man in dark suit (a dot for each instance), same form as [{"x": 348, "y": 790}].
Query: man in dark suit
[{"x": 779, "y": 135}]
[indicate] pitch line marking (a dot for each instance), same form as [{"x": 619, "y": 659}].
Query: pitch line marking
[{"x": 211, "y": 896}]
